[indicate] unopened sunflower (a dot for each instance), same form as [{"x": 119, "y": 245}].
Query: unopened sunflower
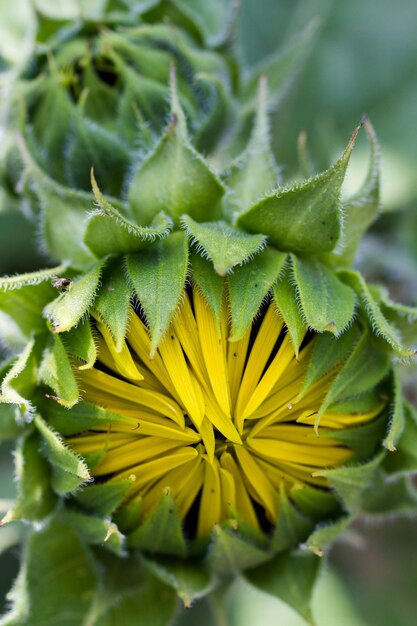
[{"x": 202, "y": 384}]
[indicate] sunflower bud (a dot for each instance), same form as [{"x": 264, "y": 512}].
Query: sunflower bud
[{"x": 202, "y": 384}]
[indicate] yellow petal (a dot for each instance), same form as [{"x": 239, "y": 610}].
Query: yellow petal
[
  {"x": 236, "y": 359},
  {"x": 119, "y": 361},
  {"x": 214, "y": 352},
  {"x": 259, "y": 486},
  {"x": 243, "y": 502},
  {"x": 210, "y": 512},
  {"x": 266, "y": 338},
  {"x": 96, "y": 382},
  {"x": 275, "y": 370},
  {"x": 177, "y": 368},
  {"x": 131, "y": 454}
]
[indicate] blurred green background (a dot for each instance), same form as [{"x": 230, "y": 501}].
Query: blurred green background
[{"x": 364, "y": 60}]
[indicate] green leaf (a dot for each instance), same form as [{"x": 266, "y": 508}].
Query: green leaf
[
  {"x": 158, "y": 278},
  {"x": 380, "y": 324},
  {"x": 55, "y": 371},
  {"x": 405, "y": 457},
  {"x": 313, "y": 502},
  {"x": 161, "y": 532},
  {"x": 291, "y": 577},
  {"x": 254, "y": 173},
  {"x": 83, "y": 416},
  {"x": 96, "y": 531},
  {"x": 104, "y": 498},
  {"x": 24, "y": 306},
  {"x": 351, "y": 482},
  {"x": 79, "y": 342},
  {"x": 329, "y": 351},
  {"x": 213, "y": 19},
  {"x": 8, "y": 283},
  {"x": 35, "y": 498},
  {"x": 9, "y": 426},
  {"x": 19, "y": 382},
  {"x": 68, "y": 309},
  {"x": 279, "y": 70},
  {"x": 107, "y": 231},
  {"x": 190, "y": 580},
  {"x": 129, "y": 595},
  {"x": 397, "y": 414},
  {"x": 326, "y": 534},
  {"x": 303, "y": 218},
  {"x": 249, "y": 285},
  {"x": 365, "y": 368},
  {"x": 361, "y": 209},
  {"x": 52, "y": 122},
  {"x": 400, "y": 316},
  {"x": 208, "y": 283},
  {"x": 68, "y": 470},
  {"x": 391, "y": 495},
  {"x": 225, "y": 246},
  {"x": 285, "y": 299},
  {"x": 64, "y": 211},
  {"x": 54, "y": 558},
  {"x": 292, "y": 527},
  {"x": 176, "y": 179},
  {"x": 364, "y": 440},
  {"x": 231, "y": 552},
  {"x": 112, "y": 304},
  {"x": 92, "y": 146},
  {"x": 326, "y": 303}
]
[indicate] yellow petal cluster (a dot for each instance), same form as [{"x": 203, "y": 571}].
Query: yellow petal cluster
[{"x": 223, "y": 425}]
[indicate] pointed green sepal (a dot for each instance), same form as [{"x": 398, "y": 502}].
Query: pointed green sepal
[
  {"x": 396, "y": 413},
  {"x": 96, "y": 531},
  {"x": 304, "y": 218},
  {"x": 350, "y": 482},
  {"x": 92, "y": 146},
  {"x": 107, "y": 231},
  {"x": 292, "y": 527},
  {"x": 249, "y": 285},
  {"x": 208, "y": 283},
  {"x": 254, "y": 173},
  {"x": 8, "y": 283},
  {"x": 68, "y": 470},
  {"x": 55, "y": 371},
  {"x": 285, "y": 299},
  {"x": 391, "y": 495},
  {"x": 104, "y": 498},
  {"x": 378, "y": 321},
  {"x": 328, "y": 351},
  {"x": 35, "y": 498},
  {"x": 404, "y": 460},
  {"x": 64, "y": 211},
  {"x": 112, "y": 304},
  {"x": 18, "y": 382},
  {"x": 291, "y": 577},
  {"x": 366, "y": 366},
  {"x": 361, "y": 209},
  {"x": 174, "y": 177},
  {"x": 327, "y": 304},
  {"x": 158, "y": 278},
  {"x": 23, "y": 308},
  {"x": 161, "y": 532},
  {"x": 232, "y": 552},
  {"x": 225, "y": 246},
  {"x": 83, "y": 416},
  {"x": 279, "y": 70},
  {"x": 47, "y": 554},
  {"x": 67, "y": 310},
  {"x": 79, "y": 342},
  {"x": 190, "y": 580},
  {"x": 326, "y": 534}
]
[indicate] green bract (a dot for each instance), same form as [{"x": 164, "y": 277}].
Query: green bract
[{"x": 143, "y": 151}]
